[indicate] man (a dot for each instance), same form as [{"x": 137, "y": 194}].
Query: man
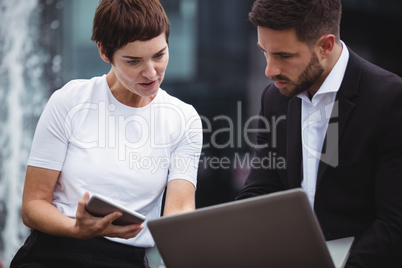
[{"x": 342, "y": 137}]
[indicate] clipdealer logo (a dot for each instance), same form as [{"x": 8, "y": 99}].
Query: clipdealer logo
[
  {"x": 329, "y": 153},
  {"x": 112, "y": 131},
  {"x": 130, "y": 133}
]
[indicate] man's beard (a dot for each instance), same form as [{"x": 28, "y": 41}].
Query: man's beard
[{"x": 310, "y": 75}]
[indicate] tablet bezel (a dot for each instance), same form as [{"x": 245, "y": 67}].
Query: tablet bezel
[{"x": 100, "y": 206}]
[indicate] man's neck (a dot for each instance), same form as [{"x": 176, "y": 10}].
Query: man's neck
[{"x": 328, "y": 65}]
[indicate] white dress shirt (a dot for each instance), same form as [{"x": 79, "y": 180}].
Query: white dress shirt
[{"x": 315, "y": 117}]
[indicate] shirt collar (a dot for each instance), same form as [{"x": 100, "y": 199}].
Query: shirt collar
[{"x": 333, "y": 81}]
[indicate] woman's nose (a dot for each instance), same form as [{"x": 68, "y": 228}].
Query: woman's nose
[{"x": 149, "y": 71}]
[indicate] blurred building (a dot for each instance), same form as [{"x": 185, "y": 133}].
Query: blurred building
[{"x": 214, "y": 65}]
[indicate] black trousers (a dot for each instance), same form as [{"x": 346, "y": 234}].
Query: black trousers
[{"x": 46, "y": 251}]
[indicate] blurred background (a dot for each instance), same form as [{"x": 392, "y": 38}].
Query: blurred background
[{"x": 214, "y": 65}]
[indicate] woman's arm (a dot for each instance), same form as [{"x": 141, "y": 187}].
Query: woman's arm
[
  {"x": 180, "y": 197},
  {"x": 38, "y": 212}
]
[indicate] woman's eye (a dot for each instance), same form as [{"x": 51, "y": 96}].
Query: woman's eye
[
  {"x": 159, "y": 56},
  {"x": 133, "y": 62}
]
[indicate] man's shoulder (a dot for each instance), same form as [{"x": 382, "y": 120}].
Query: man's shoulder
[
  {"x": 366, "y": 81},
  {"x": 372, "y": 72}
]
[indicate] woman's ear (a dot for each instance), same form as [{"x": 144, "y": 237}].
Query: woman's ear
[{"x": 102, "y": 53}]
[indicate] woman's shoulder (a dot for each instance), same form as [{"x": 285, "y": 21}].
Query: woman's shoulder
[
  {"x": 165, "y": 98},
  {"x": 75, "y": 92},
  {"x": 81, "y": 86},
  {"x": 79, "y": 90}
]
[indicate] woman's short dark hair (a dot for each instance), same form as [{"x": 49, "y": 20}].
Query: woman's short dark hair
[
  {"x": 310, "y": 18},
  {"x": 119, "y": 22}
]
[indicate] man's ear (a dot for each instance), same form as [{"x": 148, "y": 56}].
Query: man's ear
[
  {"x": 102, "y": 53},
  {"x": 325, "y": 45}
]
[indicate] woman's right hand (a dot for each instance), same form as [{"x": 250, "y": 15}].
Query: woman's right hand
[
  {"x": 39, "y": 213},
  {"x": 88, "y": 226}
]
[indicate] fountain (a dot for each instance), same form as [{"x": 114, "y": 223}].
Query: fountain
[{"x": 24, "y": 88}]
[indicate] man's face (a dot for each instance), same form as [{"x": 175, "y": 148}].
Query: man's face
[{"x": 291, "y": 64}]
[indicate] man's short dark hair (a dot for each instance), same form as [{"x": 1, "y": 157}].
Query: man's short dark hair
[{"x": 310, "y": 18}]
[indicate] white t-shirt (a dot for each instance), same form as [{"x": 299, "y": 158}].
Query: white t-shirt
[{"x": 124, "y": 153}]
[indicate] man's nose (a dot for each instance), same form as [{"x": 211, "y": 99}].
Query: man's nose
[{"x": 271, "y": 69}]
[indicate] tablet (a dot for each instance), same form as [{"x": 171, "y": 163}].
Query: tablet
[{"x": 100, "y": 206}]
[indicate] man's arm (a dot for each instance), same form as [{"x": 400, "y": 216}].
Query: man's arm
[{"x": 264, "y": 178}]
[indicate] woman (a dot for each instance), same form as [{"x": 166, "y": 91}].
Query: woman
[{"x": 118, "y": 135}]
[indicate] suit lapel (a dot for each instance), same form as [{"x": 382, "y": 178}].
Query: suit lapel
[
  {"x": 294, "y": 145},
  {"x": 340, "y": 115},
  {"x": 336, "y": 128}
]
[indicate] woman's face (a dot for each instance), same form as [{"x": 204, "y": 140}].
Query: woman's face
[{"x": 140, "y": 66}]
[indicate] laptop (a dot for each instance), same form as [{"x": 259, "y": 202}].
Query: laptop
[{"x": 275, "y": 230}]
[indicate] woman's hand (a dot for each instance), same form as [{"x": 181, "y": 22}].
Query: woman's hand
[
  {"x": 87, "y": 226},
  {"x": 38, "y": 212}
]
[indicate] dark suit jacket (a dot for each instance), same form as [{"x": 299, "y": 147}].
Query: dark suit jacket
[{"x": 359, "y": 182}]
